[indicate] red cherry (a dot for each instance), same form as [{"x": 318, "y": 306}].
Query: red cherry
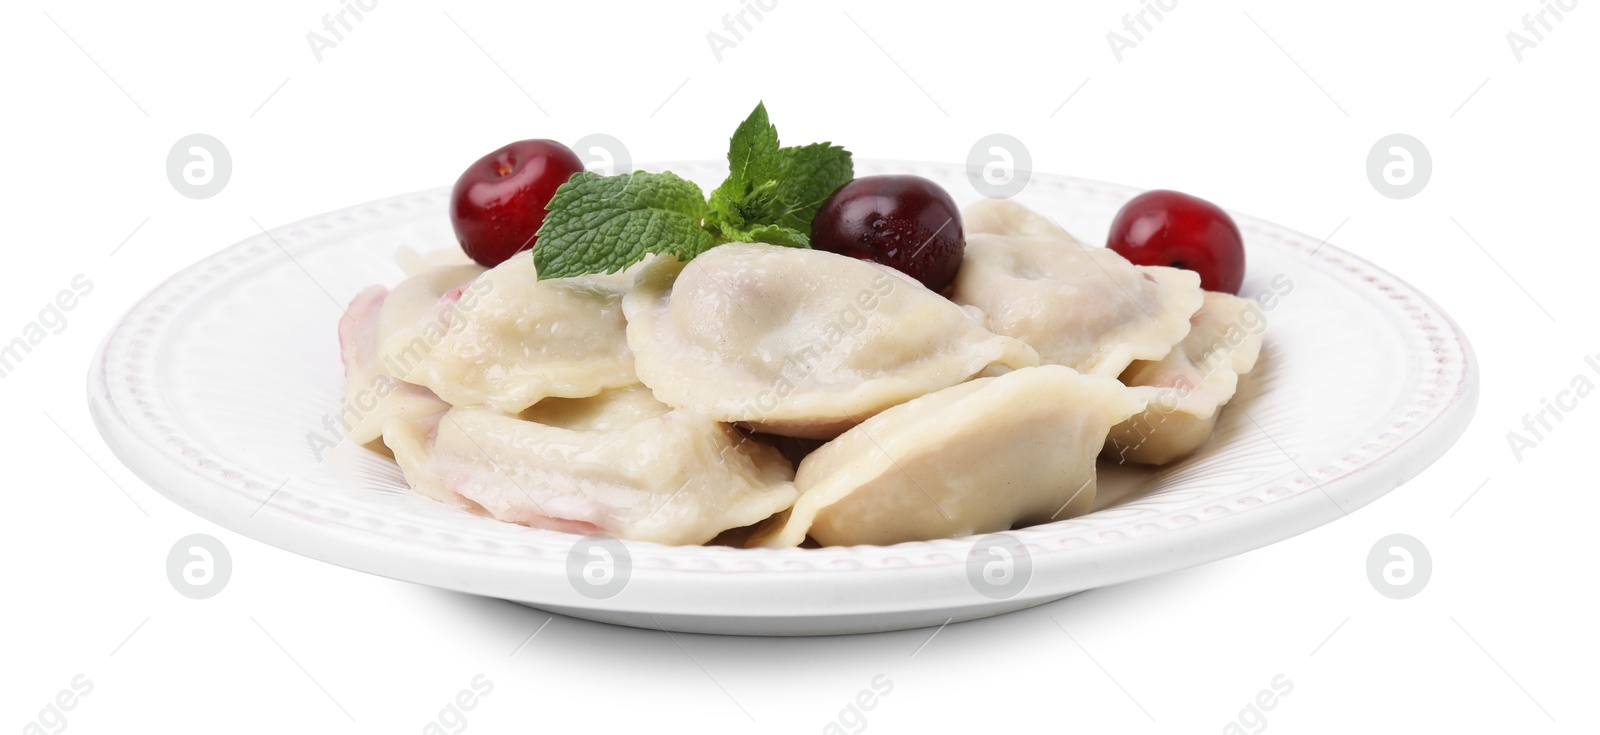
[
  {"x": 498, "y": 203},
  {"x": 905, "y": 222},
  {"x": 1174, "y": 229}
]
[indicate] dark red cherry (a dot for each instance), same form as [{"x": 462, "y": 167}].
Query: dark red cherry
[
  {"x": 905, "y": 222},
  {"x": 1174, "y": 229},
  {"x": 498, "y": 203}
]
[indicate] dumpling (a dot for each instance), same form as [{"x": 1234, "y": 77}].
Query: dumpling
[
  {"x": 1006, "y": 217},
  {"x": 426, "y": 294},
  {"x": 620, "y": 463},
  {"x": 1086, "y": 308},
  {"x": 372, "y": 394},
  {"x": 800, "y": 342},
  {"x": 1186, "y": 389},
  {"x": 519, "y": 341},
  {"x": 413, "y": 262},
  {"x": 983, "y": 456}
]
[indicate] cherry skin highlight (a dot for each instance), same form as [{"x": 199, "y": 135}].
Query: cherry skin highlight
[
  {"x": 905, "y": 222},
  {"x": 1175, "y": 229},
  {"x": 499, "y": 202}
]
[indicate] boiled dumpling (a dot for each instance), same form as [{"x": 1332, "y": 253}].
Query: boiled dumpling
[
  {"x": 1086, "y": 308},
  {"x": 1006, "y": 217},
  {"x": 413, "y": 262},
  {"x": 1186, "y": 389},
  {"x": 372, "y": 394},
  {"x": 520, "y": 340},
  {"x": 983, "y": 456},
  {"x": 430, "y": 296},
  {"x": 620, "y": 463},
  {"x": 800, "y": 342}
]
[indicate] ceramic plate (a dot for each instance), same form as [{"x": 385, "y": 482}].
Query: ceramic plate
[{"x": 209, "y": 388}]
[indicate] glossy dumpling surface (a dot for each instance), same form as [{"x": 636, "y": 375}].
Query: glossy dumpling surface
[
  {"x": 372, "y": 392},
  {"x": 413, "y": 262},
  {"x": 800, "y": 342},
  {"x": 1185, "y": 390},
  {"x": 514, "y": 340},
  {"x": 980, "y": 457},
  {"x": 620, "y": 463},
  {"x": 1086, "y": 308}
]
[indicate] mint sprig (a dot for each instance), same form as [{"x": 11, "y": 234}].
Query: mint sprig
[{"x": 603, "y": 224}]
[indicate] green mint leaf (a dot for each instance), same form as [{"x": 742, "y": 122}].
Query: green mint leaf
[
  {"x": 753, "y": 150},
  {"x": 598, "y": 224},
  {"x": 603, "y": 224},
  {"x": 753, "y": 161},
  {"x": 807, "y": 175},
  {"x": 722, "y": 213},
  {"x": 771, "y": 185},
  {"x": 777, "y": 235},
  {"x": 769, "y": 234}
]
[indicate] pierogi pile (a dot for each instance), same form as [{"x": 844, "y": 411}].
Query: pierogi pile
[{"x": 762, "y": 395}]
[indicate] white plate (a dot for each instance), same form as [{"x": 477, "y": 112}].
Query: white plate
[{"x": 209, "y": 387}]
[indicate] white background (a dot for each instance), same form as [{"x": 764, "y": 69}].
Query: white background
[{"x": 1261, "y": 107}]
